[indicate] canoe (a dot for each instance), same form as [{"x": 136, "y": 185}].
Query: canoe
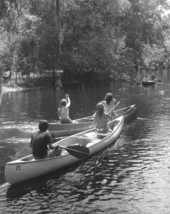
[
  {"x": 59, "y": 130},
  {"x": 128, "y": 112},
  {"x": 27, "y": 167},
  {"x": 148, "y": 82}
]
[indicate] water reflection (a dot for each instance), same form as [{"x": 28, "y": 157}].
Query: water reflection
[{"x": 126, "y": 172}]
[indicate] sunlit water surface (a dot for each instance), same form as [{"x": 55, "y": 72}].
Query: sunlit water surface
[{"x": 132, "y": 176}]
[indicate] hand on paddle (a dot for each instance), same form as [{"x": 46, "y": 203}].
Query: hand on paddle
[{"x": 112, "y": 111}]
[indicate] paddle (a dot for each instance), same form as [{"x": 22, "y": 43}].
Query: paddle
[
  {"x": 116, "y": 105},
  {"x": 55, "y": 139},
  {"x": 112, "y": 110},
  {"x": 77, "y": 151}
]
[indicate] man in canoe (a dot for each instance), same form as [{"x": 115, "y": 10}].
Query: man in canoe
[{"x": 41, "y": 142}]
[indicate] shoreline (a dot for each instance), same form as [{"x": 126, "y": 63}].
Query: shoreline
[
  {"x": 6, "y": 89},
  {"x": 11, "y": 89}
]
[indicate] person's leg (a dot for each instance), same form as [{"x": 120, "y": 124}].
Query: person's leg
[{"x": 55, "y": 152}]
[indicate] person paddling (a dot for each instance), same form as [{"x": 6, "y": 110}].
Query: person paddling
[
  {"x": 101, "y": 118},
  {"x": 63, "y": 110},
  {"x": 109, "y": 104}
]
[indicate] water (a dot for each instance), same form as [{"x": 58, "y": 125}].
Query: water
[{"x": 132, "y": 176}]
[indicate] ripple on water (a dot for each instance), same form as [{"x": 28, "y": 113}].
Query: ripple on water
[{"x": 130, "y": 177}]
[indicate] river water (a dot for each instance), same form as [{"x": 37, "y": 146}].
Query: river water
[{"x": 131, "y": 177}]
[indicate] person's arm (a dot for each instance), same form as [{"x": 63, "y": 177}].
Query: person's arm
[
  {"x": 51, "y": 146},
  {"x": 112, "y": 111},
  {"x": 59, "y": 113},
  {"x": 50, "y": 140},
  {"x": 104, "y": 102},
  {"x": 68, "y": 100},
  {"x": 93, "y": 120},
  {"x": 31, "y": 141},
  {"x": 109, "y": 116}
]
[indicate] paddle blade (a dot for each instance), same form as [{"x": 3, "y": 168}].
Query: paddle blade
[{"x": 77, "y": 151}]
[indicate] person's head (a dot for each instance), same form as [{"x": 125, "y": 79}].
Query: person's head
[
  {"x": 63, "y": 102},
  {"x": 108, "y": 98},
  {"x": 100, "y": 108},
  {"x": 43, "y": 125}
]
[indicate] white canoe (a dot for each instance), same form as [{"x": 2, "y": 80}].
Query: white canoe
[
  {"x": 82, "y": 124},
  {"x": 27, "y": 167}
]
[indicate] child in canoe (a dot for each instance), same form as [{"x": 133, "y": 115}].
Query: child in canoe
[
  {"x": 63, "y": 110},
  {"x": 41, "y": 142},
  {"x": 101, "y": 119}
]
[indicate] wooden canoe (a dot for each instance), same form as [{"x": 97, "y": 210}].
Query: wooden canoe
[
  {"x": 59, "y": 130},
  {"x": 27, "y": 167}
]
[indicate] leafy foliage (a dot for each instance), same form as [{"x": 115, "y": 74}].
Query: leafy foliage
[{"x": 79, "y": 36}]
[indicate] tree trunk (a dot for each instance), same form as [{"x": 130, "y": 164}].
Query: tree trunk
[
  {"x": 57, "y": 19},
  {"x": 58, "y": 26}
]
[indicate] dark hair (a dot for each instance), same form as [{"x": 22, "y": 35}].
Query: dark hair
[
  {"x": 100, "y": 109},
  {"x": 108, "y": 98},
  {"x": 43, "y": 125},
  {"x": 63, "y": 102}
]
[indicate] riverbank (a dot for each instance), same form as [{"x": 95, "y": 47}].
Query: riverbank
[
  {"x": 9, "y": 89},
  {"x": 26, "y": 84},
  {"x": 40, "y": 82}
]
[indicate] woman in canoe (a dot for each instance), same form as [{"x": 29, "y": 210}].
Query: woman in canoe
[
  {"x": 109, "y": 104},
  {"x": 41, "y": 143},
  {"x": 101, "y": 118},
  {"x": 63, "y": 110}
]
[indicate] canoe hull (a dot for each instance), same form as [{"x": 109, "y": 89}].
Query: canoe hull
[
  {"x": 60, "y": 130},
  {"x": 27, "y": 167},
  {"x": 148, "y": 83},
  {"x": 128, "y": 113}
]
